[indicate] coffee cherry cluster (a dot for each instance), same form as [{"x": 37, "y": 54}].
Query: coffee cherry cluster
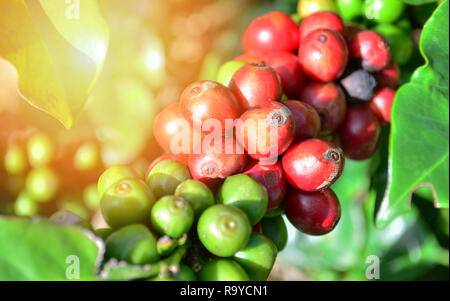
[{"x": 268, "y": 138}]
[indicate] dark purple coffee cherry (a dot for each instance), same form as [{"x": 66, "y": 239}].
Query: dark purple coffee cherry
[{"x": 359, "y": 85}]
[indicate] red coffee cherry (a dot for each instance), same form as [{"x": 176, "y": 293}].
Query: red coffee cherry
[
  {"x": 389, "y": 76},
  {"x": 255, "y": 85},
  {"x": 328, "y": 100},
  {"x": 270, "y": 176},
  {"x": 207, "y": 99},
  {"x": 314, "y": 213},
  {"x": 323, "y": 55},
  {"x": 269, "y": 33},
  {"x": 381, "y": 104},
  {"x": 359, "y": 134},
  {"x": 307, "y": 120},
  {"x": 266, "y": 132},
  {"x": 313, "y": 164},
  {"x": 169, "y": 123},
  {"x": 321, "y": 20},
  {"x": 286, "y": 65},
  {"x": 213, "y": 165},
  {"x": 371, "y": 48}
]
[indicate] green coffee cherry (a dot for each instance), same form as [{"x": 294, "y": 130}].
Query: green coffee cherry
[
  {"x": 103, "y": 233},
  {"x": 166, "y": 176},
  {"x": 42, "y": 184},
  {"x": 383, "y": 11},
  {"x": 185, "y": 273},
  {"x": 399, "y": 41},
  {"x": 25, "y": 206},
  {"x": 87, "y": 157},
  {"x": 404, "y": 25},
  {"x": 40, "y": 150},
  {"x": 227, "y": 71},
  {"x": 222, "y": 270},
  {"x": 223, "y": 229},
  {"x": 245, "y": 193},
  {"x": 128, "y": 201},
  {"x": 172, "y": 216},
  {"x": 275, "y": 229},
  {"x": 257, "y": 257},
  {"x": 308, "y": 7},
  {"x": 350, "y": 9},
  {"x": 197, "y": 194},
  {"x": 15, "y": 160},
  {"x": 112, "y": 175},
  {"x": 134, "y": 244}
]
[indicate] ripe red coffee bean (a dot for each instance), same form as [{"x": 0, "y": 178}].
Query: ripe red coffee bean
[
  {"x": 209, "y": 100},
  {"x": 266, "y": 132},
  {"x": 248, "y": 58},
  {"x": 323, "y": 55},
  {"x": 328, "y": 100},
  {"x": 313, "y": 164},
  {"x": 389, "y": 76},
  {"x": 288, "y": 68},
  {"x": 359, "y": 134},
  {"x": 270, "y": 176},
  {"x": 369, "y": 47},
  {"x": 217, "y": 161},
  {"x": 314, "y": 213},
  {"x": 307, "y": 120},
  {"x": 170, "y": 123},
  {"x": 269, "y": 33},
  {"x": 255, "y": 85},
  {"x": 321, "y": 20},
  {"x": 381, "y": 104}
]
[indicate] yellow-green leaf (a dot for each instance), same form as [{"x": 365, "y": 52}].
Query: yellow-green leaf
[{"x": 58, "y": 48}]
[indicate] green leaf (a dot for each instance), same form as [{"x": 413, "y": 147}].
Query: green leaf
[
  {"x": 419, "y": 146},
  {"x": 57, "y": 48},
  {"x": 407, "y": 247},
  {"x": 40, "y": 250}
]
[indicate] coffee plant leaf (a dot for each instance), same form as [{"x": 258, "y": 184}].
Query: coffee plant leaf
[
  {"x": 38, "y": 249},
  {"x": 419, "y": 141},
  {"x": 58, "y": 49},
  {"x": 418, "y": 2}
]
